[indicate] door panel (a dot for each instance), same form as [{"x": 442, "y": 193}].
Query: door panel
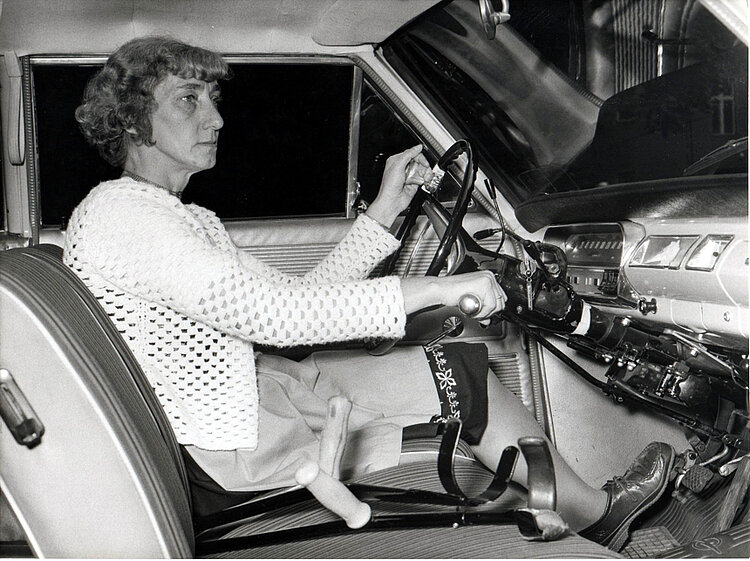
[{"x": 295, "y": 246}]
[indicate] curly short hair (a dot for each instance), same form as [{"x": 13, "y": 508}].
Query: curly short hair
[{"x": 120, "y": 96}]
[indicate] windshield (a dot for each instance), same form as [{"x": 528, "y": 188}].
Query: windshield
[{"x": 581, "y": 94}]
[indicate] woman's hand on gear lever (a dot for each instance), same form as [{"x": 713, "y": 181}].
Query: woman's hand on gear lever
[{"x": 424, "y": 292}]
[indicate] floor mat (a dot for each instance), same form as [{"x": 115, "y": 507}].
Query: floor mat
[
  {"x": 648, "y": 542},
  {"x": 733, "y": 544},
  {"x": 676, "y": 519}
]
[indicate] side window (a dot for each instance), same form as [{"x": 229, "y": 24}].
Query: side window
[
  {"x": 283, "y": 150},
  {"x": 68, "y": 167},
  {"x": 381, "y": 134}
]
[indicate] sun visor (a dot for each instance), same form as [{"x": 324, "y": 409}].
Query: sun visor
[
  {"x": 354, "y": 22},
  {"x": 732, "y": 14},
  {"x": 229, "y": 26}
]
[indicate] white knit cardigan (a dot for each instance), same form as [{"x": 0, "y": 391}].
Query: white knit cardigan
[{"x": 190, "y": 304}]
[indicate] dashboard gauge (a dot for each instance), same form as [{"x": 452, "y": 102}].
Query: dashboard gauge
[
  {"x": 707, "y": 253},
  {"x": 594, "y": 253},
  {"x": 662, "y": 252},
  {"x": 594, "y": 249}
]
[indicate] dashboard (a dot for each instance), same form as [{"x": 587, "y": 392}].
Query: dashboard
[{"x": 686, "y": 272}]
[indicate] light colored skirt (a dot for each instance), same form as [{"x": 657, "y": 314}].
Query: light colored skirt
[{"x": 387, "y": 393}]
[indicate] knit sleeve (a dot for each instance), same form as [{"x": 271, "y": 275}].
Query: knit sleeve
[
  {"x": 150, "y": 250},
  {"x": 365, "y": 245}
]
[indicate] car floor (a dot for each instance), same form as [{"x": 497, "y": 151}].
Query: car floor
[
  {"x": 596, "y": 436},
  {"x": 687, "y": 524},
  {"x": 600, "y": 439}
]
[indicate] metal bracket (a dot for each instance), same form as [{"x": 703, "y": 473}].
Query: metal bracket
[
  {"x": 446, "y": 455},
  {"x": 17, "y": 412}
]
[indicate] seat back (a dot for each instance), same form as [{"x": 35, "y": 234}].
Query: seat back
[{"x": 107, "y": 479}]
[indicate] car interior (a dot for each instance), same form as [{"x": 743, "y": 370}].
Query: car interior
[{"x": 591, "y": 154}]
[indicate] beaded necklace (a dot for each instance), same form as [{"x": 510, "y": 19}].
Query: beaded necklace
[{"x": 141, "y": 179}]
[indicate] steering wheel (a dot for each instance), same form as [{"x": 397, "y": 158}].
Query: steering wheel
[
  {"x": 469, "y": 304},
  {"x": 455, "y": 219}
]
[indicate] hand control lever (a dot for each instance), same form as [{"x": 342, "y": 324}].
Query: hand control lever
[
  {"x": 453, "y": 326},
  {"x": 469, "y": 304},
  {"x": 321, "y": 477}
]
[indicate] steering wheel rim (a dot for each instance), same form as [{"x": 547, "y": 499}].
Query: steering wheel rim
[
  {"x": 452, "y": 229},
  {"x": 462, "y": 203},
  {"x": 455, "y": 221}
]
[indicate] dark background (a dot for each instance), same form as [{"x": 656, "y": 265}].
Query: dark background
[{"x": 283, "y": 149}]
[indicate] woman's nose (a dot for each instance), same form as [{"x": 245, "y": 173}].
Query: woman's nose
[{"x": 213, "y": 119}]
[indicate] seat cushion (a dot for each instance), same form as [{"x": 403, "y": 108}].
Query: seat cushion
[{"x": 499, "y": 541}]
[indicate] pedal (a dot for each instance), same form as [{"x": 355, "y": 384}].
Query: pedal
[{"x": 697, "y": 478}]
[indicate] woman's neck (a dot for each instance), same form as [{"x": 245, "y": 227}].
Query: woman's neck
[
  {"x": 141, "y": 179},
  {"x": 140, "y": 169}
]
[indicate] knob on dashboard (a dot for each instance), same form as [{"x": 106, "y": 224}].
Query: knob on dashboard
[{"x": 647, "y": 307}]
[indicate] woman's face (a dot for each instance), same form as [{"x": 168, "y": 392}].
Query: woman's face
[{"x": 185, "y": 125}]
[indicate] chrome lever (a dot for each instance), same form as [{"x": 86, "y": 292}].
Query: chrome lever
[
  {"x": 528, "y": 272},
  {"x": 453, "y": 326},
  {"x": 731, "y": 466},
  {"x": 17, "y": 413}
]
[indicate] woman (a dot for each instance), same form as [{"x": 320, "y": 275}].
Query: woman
[{"x": 191, "y": 305}]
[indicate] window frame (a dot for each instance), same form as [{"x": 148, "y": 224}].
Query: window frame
[{"x": 32, "y": 166}]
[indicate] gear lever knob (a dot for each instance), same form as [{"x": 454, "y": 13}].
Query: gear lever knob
[{"x": 469, "y": 304}]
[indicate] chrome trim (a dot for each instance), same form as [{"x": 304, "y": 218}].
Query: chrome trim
[
  {"x": 352, "y": 188},
  {"x": 43, "y": 60},
  {"x": 540, "y": 390},
  {"x": 676, "y": 237},
  {"x": 230, "y": 58},
  {"x": 660, "y": 46},
  {"x": 15, "y": 139},
  {"x": 632, "y": 235},
  {"x": 729, "y": 238},
  {"x": 32, "y": 183},
  {"x": 299, "y": 58}
]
